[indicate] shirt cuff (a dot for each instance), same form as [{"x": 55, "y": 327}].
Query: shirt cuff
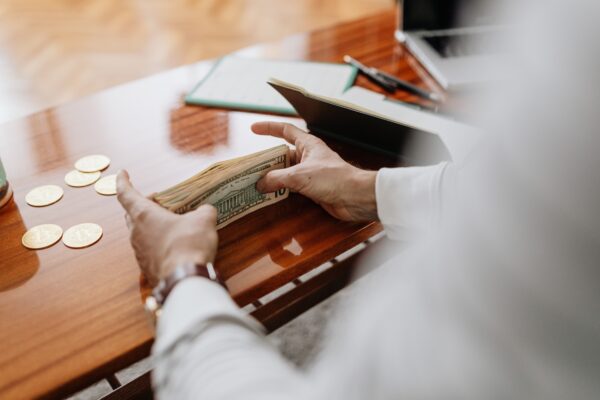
[
  {"x": 408, "y": 199},
  {"x": 192, "y": 302}
]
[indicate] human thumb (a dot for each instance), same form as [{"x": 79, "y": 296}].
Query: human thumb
[{"x": 276, "y": 179}]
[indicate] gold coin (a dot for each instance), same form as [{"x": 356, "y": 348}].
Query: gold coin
[
  {"x": 44, "y": 195},
  {"x": 82, "y": 235},
  {"x": 107, "y": 185},
  {"x": 93, "y": 163},
  {"x": 80, "y": 179},
  {"x": 41, "y": 236}
]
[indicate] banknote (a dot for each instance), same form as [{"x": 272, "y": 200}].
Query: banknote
[{"x": 230, "y": 186}]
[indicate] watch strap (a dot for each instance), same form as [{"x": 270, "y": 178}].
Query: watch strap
[{"x": 186, "y": 270}]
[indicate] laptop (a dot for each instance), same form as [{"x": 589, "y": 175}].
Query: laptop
[{"x": 458, "y": 41}]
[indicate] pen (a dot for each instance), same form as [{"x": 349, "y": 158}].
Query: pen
[
  {"x": 372, "y": 74},
  {"x": 378, "y": 76}
]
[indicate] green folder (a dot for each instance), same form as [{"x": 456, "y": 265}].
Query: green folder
[{"x": 241, "y": 83}]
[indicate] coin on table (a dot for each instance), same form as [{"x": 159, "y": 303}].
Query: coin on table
[
  {"x": 82, "y": 235},
  {"x": 107, "y": 185},
  {"x": 42, "y": 236},
  {"x": 93, "y": 163},
  {"x": 44, "y": 195},
  {"x": 77, "y": 178}
]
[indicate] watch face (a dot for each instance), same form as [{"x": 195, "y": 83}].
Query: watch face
[
  {"x": 151, "y": 305},
  {"x": 153, "y": 308}
]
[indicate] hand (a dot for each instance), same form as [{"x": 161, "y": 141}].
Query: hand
[
  {"x": 319, "y": 173},
  {"x": 163, "y": 240}
]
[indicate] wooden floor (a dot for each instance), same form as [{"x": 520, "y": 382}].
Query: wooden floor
[{"x": 56, "y": 50}]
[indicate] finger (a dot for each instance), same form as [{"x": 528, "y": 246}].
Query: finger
[
  {"x": 283, "y": 130},
  {"x": 277, "y": 179},
  {"x": 207, "y": 213},
  {"x": 127, "y": 195}
]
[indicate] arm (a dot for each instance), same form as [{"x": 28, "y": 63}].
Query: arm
[
  {"x": 405, "y": 200},
  {"x": 206, "y": 347},
  {"x": 410, "y": 200}
]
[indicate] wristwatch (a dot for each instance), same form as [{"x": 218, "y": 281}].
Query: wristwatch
[{"x": 155, "y": 301}]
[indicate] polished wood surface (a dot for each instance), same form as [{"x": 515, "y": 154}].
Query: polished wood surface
[
  {"x": 54, "y": 51},
  {"x": 70, "y": 317}
]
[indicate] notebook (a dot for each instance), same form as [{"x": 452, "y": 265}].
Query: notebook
[
  {"x": 367, "y": 119},
  {"x": 241, "y": 83}
]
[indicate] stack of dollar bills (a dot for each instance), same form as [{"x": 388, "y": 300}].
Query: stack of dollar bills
[{"x": 228, "y": 185}]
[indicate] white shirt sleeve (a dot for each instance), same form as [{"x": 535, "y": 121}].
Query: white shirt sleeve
[
  {"x": 206, "y": 348},
  {"x": 409, "y": 200}
]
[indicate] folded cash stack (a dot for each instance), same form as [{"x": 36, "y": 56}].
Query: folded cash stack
[{"x": 228, "y": 185}]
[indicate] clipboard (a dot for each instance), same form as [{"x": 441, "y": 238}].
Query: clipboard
[{"x": 241, "y": 83}]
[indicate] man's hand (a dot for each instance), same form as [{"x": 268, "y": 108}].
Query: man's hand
[
  {"x": 344, "y": 191},
  {"x": 163, "y": 240}
]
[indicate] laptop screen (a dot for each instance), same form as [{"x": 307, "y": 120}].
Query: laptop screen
[{"x": 445, "y": 14}]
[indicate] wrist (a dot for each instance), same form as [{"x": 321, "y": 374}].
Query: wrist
[
  {"x": 154, "y": 302},
  {"x": 181, "y": 258},
  {"x": 362, "y": 193}
]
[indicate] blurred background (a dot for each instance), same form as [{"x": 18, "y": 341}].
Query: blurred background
[{"x": 53, "y": 51}]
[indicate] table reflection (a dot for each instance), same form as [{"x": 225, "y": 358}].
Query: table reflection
[
  {"x": 49, "y": 146},
  {"x": 194, "y": 132}
]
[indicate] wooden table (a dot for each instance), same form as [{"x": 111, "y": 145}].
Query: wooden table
[{"x": 70, "y": 317}]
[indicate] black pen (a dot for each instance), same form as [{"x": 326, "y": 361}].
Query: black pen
[
  {"x": 378, "y": 76},
  {"x": 372, "y": 74}
]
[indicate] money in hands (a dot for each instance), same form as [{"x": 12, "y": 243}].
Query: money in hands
[{"x": 229, "y": 185}]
